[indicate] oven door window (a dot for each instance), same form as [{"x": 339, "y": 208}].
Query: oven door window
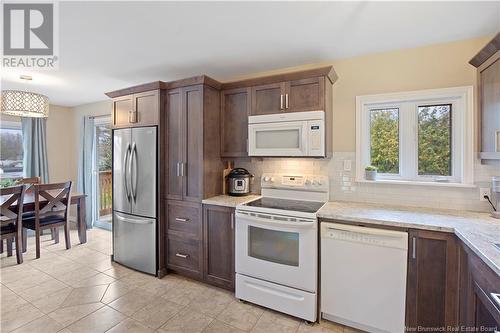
[{"x": 273, "y": 245}]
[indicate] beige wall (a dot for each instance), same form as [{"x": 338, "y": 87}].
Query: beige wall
[
  {"x": 439, "y": 66},
  {"x": 61, "y": 137},
  {"x": 435, "y": 66},
  {"x": 91, "y": 109}
]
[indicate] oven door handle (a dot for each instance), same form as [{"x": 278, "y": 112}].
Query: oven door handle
[{"x": 276, "y": 222}]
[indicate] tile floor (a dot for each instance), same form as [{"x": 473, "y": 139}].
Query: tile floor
[{"x": 81, "y": 290}]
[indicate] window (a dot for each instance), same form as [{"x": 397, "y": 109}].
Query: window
[
  {"x": 11, "y": 150},
  {"x": 421, "y": 137},
  {"x": 384, "y": 140}
]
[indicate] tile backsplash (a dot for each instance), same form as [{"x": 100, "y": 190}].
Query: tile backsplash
[{"x": 343, "y": 186}]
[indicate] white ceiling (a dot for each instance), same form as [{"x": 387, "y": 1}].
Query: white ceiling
[{"x": 110, "y": 45}]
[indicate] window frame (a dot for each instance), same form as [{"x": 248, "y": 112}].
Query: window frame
[
  {"x": 12, "y": 125},
  {"x": 462, "y": 136}
]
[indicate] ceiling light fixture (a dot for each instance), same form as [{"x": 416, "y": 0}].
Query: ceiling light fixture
[{"x": 24, "y": 103}]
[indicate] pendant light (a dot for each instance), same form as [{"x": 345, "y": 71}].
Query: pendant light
[{"x": 24, "y": 103}]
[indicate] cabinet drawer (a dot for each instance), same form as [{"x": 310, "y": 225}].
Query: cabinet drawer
[
  {"x": 184, "y": 217},
  {"x": 184, "y": 253}
]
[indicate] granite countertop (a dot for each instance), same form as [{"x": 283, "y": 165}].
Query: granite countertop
[
  {"x": 230, "y": 201},
  {"x": 479, "y": 231}
]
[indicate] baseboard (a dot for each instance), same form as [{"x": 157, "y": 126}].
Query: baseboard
[{"x": 161, "y": 273}]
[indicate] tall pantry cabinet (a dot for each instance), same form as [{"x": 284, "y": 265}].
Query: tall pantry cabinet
[{"x": 192, "y": 152}]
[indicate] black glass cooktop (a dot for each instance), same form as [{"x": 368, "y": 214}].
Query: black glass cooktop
[{"x": 286, "y": 204}]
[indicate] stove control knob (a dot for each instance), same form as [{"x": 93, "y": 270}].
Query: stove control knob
[
  {"x": 320, "y": 182},
  {"x": 266, "y": 179},
  {"x": 308, "y": 182},
  {"x": 272, "y": 179},
  {"x": 314, "y": 182}
]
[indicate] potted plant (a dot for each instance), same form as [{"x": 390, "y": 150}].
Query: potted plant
[{"x": 371, "y": 173}]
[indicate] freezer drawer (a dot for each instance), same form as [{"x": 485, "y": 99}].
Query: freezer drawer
[{"x": 134, "y": 242}]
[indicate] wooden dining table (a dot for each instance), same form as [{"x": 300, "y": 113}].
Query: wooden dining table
[{"x": 77, "y": 199}]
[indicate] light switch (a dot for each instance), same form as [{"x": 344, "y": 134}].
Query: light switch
[{"x": 347, "y": 165}]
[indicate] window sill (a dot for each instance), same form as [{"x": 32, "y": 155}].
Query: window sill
[{"x": 414, "y": 183}]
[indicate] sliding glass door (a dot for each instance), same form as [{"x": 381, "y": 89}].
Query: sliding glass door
[{"x": 102, "y": 182}]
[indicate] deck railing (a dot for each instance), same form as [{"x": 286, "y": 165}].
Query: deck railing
[{"x": 105, "y": 192}]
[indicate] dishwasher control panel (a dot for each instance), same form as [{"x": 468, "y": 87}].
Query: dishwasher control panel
[{"x": 368, "y": 236}]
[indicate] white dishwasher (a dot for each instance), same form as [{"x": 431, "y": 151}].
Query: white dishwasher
[{"x": 363, "y": 277}]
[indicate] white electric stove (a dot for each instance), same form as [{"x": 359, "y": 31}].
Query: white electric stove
[{"x": 277, "y": 244}]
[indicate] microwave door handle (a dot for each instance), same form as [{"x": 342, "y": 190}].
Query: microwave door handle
[{"x": 305, "y": 138}]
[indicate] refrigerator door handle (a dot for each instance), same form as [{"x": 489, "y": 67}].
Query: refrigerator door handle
[
  {"x": 134, "y": 221},
  {"x": 129, "y": 173},
  {"x": 133, "y": 177},
  {"x": 125, "y": 161}
]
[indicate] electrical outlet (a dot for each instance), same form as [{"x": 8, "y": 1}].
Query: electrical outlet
[
  {"x": 347, "y": 165},
  {"x": 484, "y": 191}
]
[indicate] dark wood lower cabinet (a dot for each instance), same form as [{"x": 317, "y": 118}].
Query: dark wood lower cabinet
[
  {"x": 184, "y": 256},
  {"x": 432, "y": 286},
  {"x": 200, "y": 242},
  {"x": 218, "y": 246},
  {"x": 478, "y": 310},
  {"x": 184, "y": 250}
]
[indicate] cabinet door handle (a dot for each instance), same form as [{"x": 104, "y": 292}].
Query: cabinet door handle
[
  {"x": 286, "y": 101},
  {"x": 183, "y": 166},
  {"x": 181, "y": 255},
  {"x": 281, "y": 102},
  {"x": 132, "y": 116},
  {"x": 414, "y": 248},
  {"x": 178, "y": 169},
  {"x": 232, "y": 221},
  {"x": 181, "y": 219}
]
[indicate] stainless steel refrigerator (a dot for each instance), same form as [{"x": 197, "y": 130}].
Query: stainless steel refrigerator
[{"x": 134, "y": 197}]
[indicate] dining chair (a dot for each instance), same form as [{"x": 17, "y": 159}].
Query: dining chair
[
  {"x": 11, "y": 218},
  {"x": 29, "y": 181},
  {"x": 35, "y": 181},
  {"x": 53, "y": 214}
]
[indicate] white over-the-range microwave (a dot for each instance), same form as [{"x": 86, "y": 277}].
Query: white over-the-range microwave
[{"x": 300, "y": 134}]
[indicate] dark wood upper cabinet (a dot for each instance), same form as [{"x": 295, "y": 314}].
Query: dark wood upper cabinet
[
  {"x": 433, "y": 275},
  {"x": 268, "y": 98},
  {"x": 192, "y": 165},
  {"x": 122, "y": 107},
  {"x": 235, "y": 108},
  {"x": 193, "y": 146},
  {"x": 308, "y": 94},
  {"x": 175, "y": 142},
  {"x": 487, "y": 62},
  {"x": 290, "y": 96},
  {"x": 141, "y": 109},
  {"x": 218, "y": 245},
  {"x": 305, "y": 95}
]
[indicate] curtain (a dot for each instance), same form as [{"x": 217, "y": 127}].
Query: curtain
[
  {"x": 35, "y": 148},
  {"x": 86, "y": 166}
]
